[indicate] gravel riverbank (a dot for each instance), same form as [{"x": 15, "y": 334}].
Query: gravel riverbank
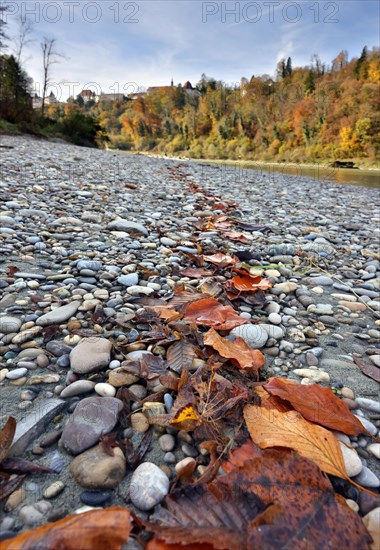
[{"x": 87, "y": 236}]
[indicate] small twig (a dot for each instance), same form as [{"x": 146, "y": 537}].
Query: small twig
[{"x": 345, "y": 284}]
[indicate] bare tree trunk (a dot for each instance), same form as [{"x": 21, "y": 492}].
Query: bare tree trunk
[
  {"x": 25, "y": 29},
  {"x": 48, "y": 58}
]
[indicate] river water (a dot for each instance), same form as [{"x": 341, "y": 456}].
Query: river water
[{"x": 263, "y": 171}]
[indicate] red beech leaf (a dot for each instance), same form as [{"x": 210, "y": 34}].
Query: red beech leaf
[
  {"x": 246, "y": 283},
  {"x": 317, "y": 404},
  {"x": 211, "y": 313},
  {"x": 237, "y": 351}
]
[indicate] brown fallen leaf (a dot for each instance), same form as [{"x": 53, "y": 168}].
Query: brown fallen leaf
[
  {"x": 238, "y": 236},
  {"x": 368, "y": 369},
  {"x": 168, "y": 313},
  {"x": 181, "y": 355},
  {"x": 8, "y": 485},
  {"x": 95, "y": 530},
  {"x": 6, "y": 437},
  {"x": 312, "y": 514},
  {"x": 182, "y": 297},
  {"x": 317, "y": 404},
  {"x": 16, "y": 465},
  {"x": 205, "y": 514},
  {"x": 237, "y": 351},
  {"x": 238, "y": 457},
  {"x": 272, "y": 428},
  {"x": 300, "y": 510},
  {"x": 247, "y": 283},
  {"x": 221, "y": 260},
  {"x": 211, "y": 313},
  {"x": 196, "y": 273},
  {"x": 271, "y": 401}
]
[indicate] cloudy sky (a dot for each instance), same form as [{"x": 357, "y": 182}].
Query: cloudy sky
[{"x": 125, "y": 45}]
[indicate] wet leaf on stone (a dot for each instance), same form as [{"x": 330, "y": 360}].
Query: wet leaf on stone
[
  {"x": 167, "y": 313},
  {"x": 238, "y": 236},
  {"x": 247, "y": 283}
]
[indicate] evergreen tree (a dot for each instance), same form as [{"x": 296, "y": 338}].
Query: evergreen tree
[
  {"x": 288, "y": 68},
  {"x": 361, "y": 66},
  {"x": 15, "y": 85}
]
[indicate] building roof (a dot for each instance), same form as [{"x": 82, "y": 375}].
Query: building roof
[{"x": 87, "y": 93}]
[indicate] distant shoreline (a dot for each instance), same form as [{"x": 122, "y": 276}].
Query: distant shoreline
[{"x": 324, "y": 165}]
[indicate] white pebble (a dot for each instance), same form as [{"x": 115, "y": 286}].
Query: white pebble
[{"x": 105, "y": 390}]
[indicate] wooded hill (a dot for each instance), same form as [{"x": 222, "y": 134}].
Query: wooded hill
[{"x": 303, "y": 114}]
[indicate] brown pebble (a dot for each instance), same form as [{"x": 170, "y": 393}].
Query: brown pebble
[
  {"x": 350, "y": 403},
  {"x": 139, "y": 422},
  {"x": 50, "y": 438},
  {"x": 367, "y": 502},
  {"x": 185, "y": 466},
  {"x": 19, "y": 381},
  {"x": 37, "y": 450},
  {"x": 74, "y": 324},
  {"x": 135, "y": 347},
  {"x": 347, "y": 392},
  {"x": 186, "y": 437},
  {"x": 57, "y": 513},
  {"x": 42, "y": 361},
  {"x": 166, "y": 470},
  {"x": 15, "y": 499}
]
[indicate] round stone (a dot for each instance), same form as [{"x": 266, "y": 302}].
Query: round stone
[
  {"x": 16, "y": 373},
  {"x": 95, "y": 498},
  {"x": 139, "y": 422},
  {"x": 351, "y": 460},
  {"x": 54, "y": 489},
  {"x": 149, "y": 485},
  {"x": 253, "y": 335},
  {"x": 105, "y": 390},
  {"x": 9, "y": 324},
  {"x": 78, "y": 388},
  {"x": 274, "y": 318},
  {"x": 96, "y": 469},
  {"x": 167, "y": 442}
]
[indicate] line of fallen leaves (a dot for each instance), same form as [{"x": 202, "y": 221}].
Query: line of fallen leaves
[{"x": 268, "y": 499}]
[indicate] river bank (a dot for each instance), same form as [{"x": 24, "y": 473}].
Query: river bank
[{"x": 91, "y": 239}]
